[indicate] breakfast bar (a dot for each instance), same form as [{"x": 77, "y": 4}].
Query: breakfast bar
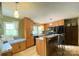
[{"x": 47, "y": 45}]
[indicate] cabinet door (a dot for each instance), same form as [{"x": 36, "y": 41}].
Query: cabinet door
[
  {"x": 75, "y": 35},
  {"x": 28, "y": 31},
  {"x": 68, "y": 32},
  {"x": 28, "y": 43},
  {"x": 15, "y": 48},
  {"x": 68, "y": 36},
  {"x": 71, "y": 32},
  {"x": 40, "y": 47},
  {"x": 74, "y": 29},
  {"x": 22, "y": 45},
  {"x": 60, "y": 23},
  {"x": 32, "y": 41}
]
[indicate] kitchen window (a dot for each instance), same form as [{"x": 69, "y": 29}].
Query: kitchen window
[
  {"x": 35, "y": 30},
  {"x": 11, "y": 28}
]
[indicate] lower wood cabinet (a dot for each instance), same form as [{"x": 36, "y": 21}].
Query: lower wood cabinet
[
  {"x": 22, "y": 46},
  {"x": 52, "y": 46},
  {"x": 17, "y": 47},
  {"x": 40, "y": 47},
  {"x": 30, "y": 42},
  {"x": 46, "y": 47},
  {"x": 9, "y": 53}
]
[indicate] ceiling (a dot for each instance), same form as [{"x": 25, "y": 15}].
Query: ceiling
[{"x": 42, "y": 12}]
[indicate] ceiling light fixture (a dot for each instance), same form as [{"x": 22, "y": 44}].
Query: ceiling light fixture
[
  {"x": 50, "y": 24},
  {"x": 16, "y": 13}
]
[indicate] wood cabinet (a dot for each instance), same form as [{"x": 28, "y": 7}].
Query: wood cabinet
[
  {"x": 38, "y": 46},
  {"x": 41, "y": 47},
  {"x": 9, "y": 53},
  {"x": 71, "y": 31},
  {"x": 46, "y": 47},
  {"x": 57, "y": 23},
  {"x": 61, "y": 22},
  {"x": 45, "y": 27},
  {"x": 54, "y": 24},
  {"x": 17, "y": 47},
  {"x": 52, "y": 46},
  {"x": 22, "y": 46},
  {"x": 27, "y": 25}
]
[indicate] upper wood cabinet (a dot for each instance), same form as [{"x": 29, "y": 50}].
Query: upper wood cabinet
[
  {"x": 61, "y": 22},
  {"x": 53, "y": 24},
  {"x": 45, "y": 27},
  {"x": 27, "y": 26}
]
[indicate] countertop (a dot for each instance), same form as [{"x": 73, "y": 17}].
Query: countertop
[
  {"x": 16, "y": 41},
  {"x": 52, "y": 35},
  {"x": 48, "y": 36},
  {"x": 7, "y": 46}
]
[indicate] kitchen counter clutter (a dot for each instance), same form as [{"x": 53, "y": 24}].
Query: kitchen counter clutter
[{"x": 7, "y": 47}]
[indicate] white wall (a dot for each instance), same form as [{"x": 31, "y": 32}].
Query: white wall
[
  {"x": 1, "y": 43},
  {"x": 42, "y": 12}
]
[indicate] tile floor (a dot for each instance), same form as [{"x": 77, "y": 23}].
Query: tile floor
[
  {"x": 68, "y": 51},
  {"x": 28, "y": 52}
]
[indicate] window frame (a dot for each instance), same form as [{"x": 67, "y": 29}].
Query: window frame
[{"x": 17, "y": 26}]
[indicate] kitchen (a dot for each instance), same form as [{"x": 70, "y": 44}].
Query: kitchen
[{"x": 49, "y": 34}]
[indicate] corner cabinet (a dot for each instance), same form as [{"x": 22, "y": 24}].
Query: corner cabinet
[
  {"x": 27, "y": 25},
  {"x": 71, "y": 31}
]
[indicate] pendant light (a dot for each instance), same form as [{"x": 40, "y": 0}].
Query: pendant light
[{"x": 16, "y": 13}]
